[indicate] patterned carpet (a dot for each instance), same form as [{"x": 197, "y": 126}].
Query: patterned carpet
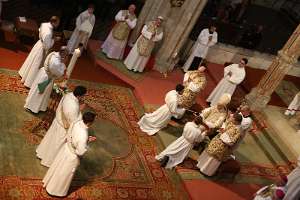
[{"x": 119, "y": 165}]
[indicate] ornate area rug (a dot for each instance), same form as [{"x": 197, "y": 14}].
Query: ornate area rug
[{"x": 120, "y": 164}]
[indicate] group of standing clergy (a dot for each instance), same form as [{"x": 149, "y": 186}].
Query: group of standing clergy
[
  {"x": 66, "y": 140},
  {"x": 115, "y": 44},
  {"x": 42, "y": 66}
]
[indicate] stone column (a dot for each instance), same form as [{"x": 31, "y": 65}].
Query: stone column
[
  {"x": 259, "y": 96},
  {"x": 178, "y": 23}
]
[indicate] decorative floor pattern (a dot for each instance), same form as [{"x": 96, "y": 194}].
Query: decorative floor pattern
[{"x": 120, "y": 164}]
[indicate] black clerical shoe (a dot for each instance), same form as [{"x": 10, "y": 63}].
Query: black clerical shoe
[{"x": 164, "y": 161}]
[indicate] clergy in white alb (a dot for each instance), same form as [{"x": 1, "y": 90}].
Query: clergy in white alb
[
  {"x": 293, "y": 184},
  {"x": 176, "y": 152},
  {"x": 39, "y": 94},
  {"x": 84, "y": 27},
  {"x": 151, "y": 123},
  {"x": 219, "y": 148},
  {"x": 67, "y": 112},
  {"x": 207, "y": 38},
  {"x": 245, "y": 112},
  {"x": 37, "y": 55},
  {"x": 58, "y": 178},
  {"x": 194, "y": 82},
  {"x": 294, "y": 105},
  {"x": 139, "y": 55},
  {"x": 115, "y": 44},
  {"x": 234, "y": 74}
]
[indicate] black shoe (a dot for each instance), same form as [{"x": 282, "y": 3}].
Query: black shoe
[
  {"x": 164, "y": 161},
  {"x": 173, "y": 118}
]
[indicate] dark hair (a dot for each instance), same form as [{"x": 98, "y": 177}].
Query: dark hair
[
  {"x": 212, "y": 24},
  {"x": 179, "y": 87},
  {"x": 63, "y": 50},
  {"x": 245, "y": 60},
  {"x": 91, "y": 6},
  {"x": 79, "y": 91},
  {"x": 54, "y": 19},
  {"x": 237, "y": 117},
  {"x": 203, "y": 63},
  {"x": 198, "y": 120},
  {"x": 88, "y": 117}
]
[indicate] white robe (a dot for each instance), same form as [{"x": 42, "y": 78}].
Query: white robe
[
  {"x": 151, "y": 123},
  {"x": 294, "y": 105},
  {"x": 76, "y": 38},
  {"x": 112, "y": 47},
  {"x": 58, "y": 178},
  {"x": 37, "y": 101},
  {"x": 134, "y": 61},
  {"x": 245, "y": 127},
  {"x": 56, "y": 135},
  {"x": 33, "y": 62},
  {"x": 201, "y": 47},
  {"x": 293, "y": 184},
  {"x": 179, "y": 149},
  {"x": 228, "y": 83}
]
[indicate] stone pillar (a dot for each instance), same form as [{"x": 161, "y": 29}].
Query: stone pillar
[
  {"x": 259, "y": 96},
  {"x": 178, "y": 23}
]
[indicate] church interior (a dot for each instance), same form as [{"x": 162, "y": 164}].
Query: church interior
[{"x": 121, "y": 163}]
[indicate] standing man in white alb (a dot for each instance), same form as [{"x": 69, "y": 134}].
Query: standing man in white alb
[
  {"x": 34, "y": 60},
  {"x": 245, "y": 112},
  {"x": 175, "y": 153},
  {"x": 84, "y": 26},
  {"x": 234, "y": 74},
  {"x": 151, "y": 123},
  {"x": 39, "y": 95},
  {"x": 58, "y": 179},
  {"x": 207, "y": 38},
  {"x": 67, "y": 112},
  {"x": 115, "y": 44},
  {"x": 140, "y": 53}
]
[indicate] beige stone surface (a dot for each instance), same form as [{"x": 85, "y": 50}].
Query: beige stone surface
[{"x": 283, "y": 129}]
